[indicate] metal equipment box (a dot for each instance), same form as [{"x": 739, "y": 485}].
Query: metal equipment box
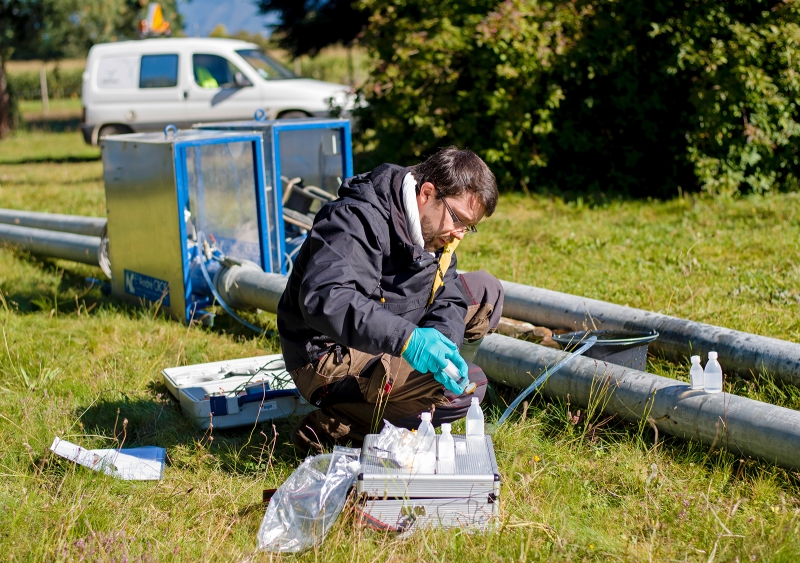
[
  {"x": 467, "y": 497},
  {"x": 234, "y": 393},
  {"x": 167, "y": 194},
  {"x": 308, "y": 158}
]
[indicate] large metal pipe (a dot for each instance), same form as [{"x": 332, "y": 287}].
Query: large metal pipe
[
  {"x": 76, "y": 224},
  {"x": 739, "y": 352},
  {"x": 67, "y": 246},
  {"x": 247, "y": 287},
  {"x": 741, "y": 425}
]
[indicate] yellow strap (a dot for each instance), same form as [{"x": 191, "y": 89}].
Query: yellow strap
[{"x": 444, "y": 263}]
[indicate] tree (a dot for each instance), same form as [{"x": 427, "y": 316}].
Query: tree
[
  {"x": 306, "y": 27},
  {"x": 634, "y": 98},
  {"x": 20, "y": 25}
]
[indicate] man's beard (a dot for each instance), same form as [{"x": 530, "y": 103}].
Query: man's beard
[{"x": 428, "y": 234}]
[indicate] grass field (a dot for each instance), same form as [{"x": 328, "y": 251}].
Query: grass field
[{"x": 75, "y": 364}]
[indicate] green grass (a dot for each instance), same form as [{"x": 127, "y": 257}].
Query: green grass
[
  {"x": 27, "y": 147},
  {"x": 74, "y": 364}
]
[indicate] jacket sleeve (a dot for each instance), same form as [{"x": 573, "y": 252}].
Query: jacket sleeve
[
  {"x": 344, "y": 269},
  {"x": 449, "y": 307}
]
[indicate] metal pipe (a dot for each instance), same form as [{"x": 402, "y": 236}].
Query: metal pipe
[
  {"x": 739, "y": 352},
  {"x": 67, "y": 246},
  {"x": 741, "y": 425},
  {"x": 246, "y": 286},
  {"x": 76, "y": 224}
]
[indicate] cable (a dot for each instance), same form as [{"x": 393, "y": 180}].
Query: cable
[
  {"x": 218, "y": 297},
  {"x": 547, "y": 373}
]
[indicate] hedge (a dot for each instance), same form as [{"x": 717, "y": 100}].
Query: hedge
[
  {"x": 60, "y": 83},
  {"x": 601, "y": 96}
]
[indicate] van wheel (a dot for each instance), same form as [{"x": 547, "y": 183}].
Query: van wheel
[
  {"x": 293, "y": 115},
  {"x": 107, "y": 130}
]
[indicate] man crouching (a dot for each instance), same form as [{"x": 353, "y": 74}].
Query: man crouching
[{"x": 374, "y": 307}]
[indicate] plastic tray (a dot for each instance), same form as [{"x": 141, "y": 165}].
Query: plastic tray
[{"x": 239, "y": 392}]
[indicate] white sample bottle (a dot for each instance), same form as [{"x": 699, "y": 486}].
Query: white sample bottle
[
  {"x": 446, "y": 462},
  {"x": 426, "y": 435},
  {"x": 447, "y": 448},
  {"x": 475, "y": 419},
  {"x": 712, "y": 375},
  {"x": 696, "y": 373}
]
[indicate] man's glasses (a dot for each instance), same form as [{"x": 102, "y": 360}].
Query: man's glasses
[{"x": 468, "y": 229}]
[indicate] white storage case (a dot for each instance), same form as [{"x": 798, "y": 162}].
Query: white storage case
[
  {"x": 236, "y": 392},
  {"x": 398, "y": 499}
]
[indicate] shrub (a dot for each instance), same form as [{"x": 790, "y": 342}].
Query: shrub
[{"x": 632, "y": 98}]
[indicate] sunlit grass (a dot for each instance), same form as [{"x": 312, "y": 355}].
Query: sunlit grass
[{"x": 71, "y": 359}]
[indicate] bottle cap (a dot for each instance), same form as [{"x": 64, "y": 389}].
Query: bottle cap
[
  {"x": 446, "y": 427},
  {"x": 426, "y": 417},
  {"x": 712, "y": 355},
  {"x": 475, "y": 401},
  {"x": 695, "y": 359}
]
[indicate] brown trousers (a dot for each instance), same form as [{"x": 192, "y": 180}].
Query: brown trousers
[{"x": 356, "y": 392}]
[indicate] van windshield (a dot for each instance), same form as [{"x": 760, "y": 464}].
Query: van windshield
[{"x": 266, "y": 67}]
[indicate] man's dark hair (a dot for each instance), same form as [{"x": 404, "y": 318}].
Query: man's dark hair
[{"x": 454, "y": 171}]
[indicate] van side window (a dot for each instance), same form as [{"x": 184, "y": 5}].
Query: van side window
[
  {"x": 158, "y": 71},
  {"x": 213, "y": 71}
]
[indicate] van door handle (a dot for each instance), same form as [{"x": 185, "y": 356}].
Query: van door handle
[{"x": 185, "y": 94}]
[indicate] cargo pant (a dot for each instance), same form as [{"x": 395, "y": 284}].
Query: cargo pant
[{"x": 355, "y": 392}]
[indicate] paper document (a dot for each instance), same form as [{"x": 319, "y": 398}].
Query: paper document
[{"x": 140, "y": 464}]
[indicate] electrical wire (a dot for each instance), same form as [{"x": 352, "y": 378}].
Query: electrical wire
[{"x": 225, "y": 307}]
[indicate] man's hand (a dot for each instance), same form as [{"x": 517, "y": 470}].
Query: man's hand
[{"x": 428, "y": 350}]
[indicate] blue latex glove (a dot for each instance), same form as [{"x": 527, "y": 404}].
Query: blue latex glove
[{"x": 428, "y": 351}]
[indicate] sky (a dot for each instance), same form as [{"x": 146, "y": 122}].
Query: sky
[{"x": 201, "y": 16}]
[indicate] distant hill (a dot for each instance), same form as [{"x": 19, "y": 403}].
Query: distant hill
[{"x": 201, "y": 16}]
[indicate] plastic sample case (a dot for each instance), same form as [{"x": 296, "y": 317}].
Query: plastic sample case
[
  {"x": 396, "y": 498},
  {"x": 238, "y": 392}
]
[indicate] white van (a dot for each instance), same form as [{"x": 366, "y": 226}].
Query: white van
[{"x": 134, "y": 86}]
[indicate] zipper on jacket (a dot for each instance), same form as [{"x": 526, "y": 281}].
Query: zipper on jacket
[
  {"x": 380, "y": 290},
  {"x": 337, "y": 350}
]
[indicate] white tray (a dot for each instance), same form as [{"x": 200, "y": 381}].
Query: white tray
[{"x": 238, "y": 392}]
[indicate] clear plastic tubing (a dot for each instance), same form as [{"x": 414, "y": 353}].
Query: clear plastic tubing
[
  {"x": 713, "y": 374},
  {"x": 475, "y": 419},
  {"x": 696, "y": 373}
]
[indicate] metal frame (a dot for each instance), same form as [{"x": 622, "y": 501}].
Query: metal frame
[{"x": 181, "y": 183}]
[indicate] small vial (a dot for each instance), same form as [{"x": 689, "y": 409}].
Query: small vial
[
  {"x": 712, "y": 375},
  {"x": 696, "y": 373}
]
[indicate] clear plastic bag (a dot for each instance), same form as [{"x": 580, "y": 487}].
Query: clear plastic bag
[
  {"x": 307, "y": 504},
  {"x": 402, "y": 448}
]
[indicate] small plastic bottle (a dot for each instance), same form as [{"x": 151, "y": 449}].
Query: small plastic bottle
[
  {"x": 475, "y": 419},
  {"x": 452, "y": 372},
  {"x": 446, "y": 464},
  {"x": 712, "y": 375},
  {"x": 426, "y": 435},
  {"x": 447, "y": 448},
  {"x": 696, "y": 373}
]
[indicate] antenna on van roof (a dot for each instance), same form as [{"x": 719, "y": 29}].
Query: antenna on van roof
[{"x": 154, "y": 24}]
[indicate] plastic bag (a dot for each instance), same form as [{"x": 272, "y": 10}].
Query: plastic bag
[
  {"x": 307, "y": 504},
  {"x": 401, "y": 448}
]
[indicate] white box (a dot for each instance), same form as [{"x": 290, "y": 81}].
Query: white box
[{"x": 238, "y": 392}]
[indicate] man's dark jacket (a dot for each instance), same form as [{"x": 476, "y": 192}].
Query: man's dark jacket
[{"x": 358, "y": 251}]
